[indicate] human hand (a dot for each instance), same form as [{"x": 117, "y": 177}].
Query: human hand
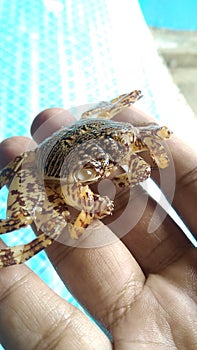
[{"x": 142, "y": 288}]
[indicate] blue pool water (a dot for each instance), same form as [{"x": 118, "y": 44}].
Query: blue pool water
[{"x": 176, "y": 14}]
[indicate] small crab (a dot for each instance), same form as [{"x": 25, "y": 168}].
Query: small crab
[{"x": 46, "y": 182}]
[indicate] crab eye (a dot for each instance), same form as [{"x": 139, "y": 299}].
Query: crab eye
[
  {"x": 87, "y": 175},
  {"x": 164, "y": 133}
]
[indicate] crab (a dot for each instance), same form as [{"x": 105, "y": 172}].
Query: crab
[{"x": 45, "y": 184}]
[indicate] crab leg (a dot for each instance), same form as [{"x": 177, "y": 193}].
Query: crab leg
[
  {"x": 158, "y": 152},
  {"x": 109, "y": 109},
  {"x": 149, "y": 139},
  {"x": 50, "y": 224},
  {"x": 19, "y": 197},
  {"x": 19, "y": 254},
  {"x": 11, "y": 224},
  {"x": 91, "y": 205},
  {"x": 138, "y": 171},
  {"x": 10, "y": 170},
  {"x": 25, "y": 194},
  {"x": 7, "y": 173}
]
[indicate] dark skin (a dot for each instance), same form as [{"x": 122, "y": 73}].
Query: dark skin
[{"x": 142, "y": 288}]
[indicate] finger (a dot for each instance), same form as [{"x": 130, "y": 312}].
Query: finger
[
  {"x": 12, "y": 147},
  {"x": 185, "y": 197},
  {"x": 184, "y": 161},
  {"x": 108, "y": 280},
  {"x": 153, "y": 251},
  {"x": 105, "y": 280},
  {"x": 163, "y": 302},
  {"x": 46, "y": 122},
  {"x": 32, "y": 316},
  {"x": 49, "y": 121}
]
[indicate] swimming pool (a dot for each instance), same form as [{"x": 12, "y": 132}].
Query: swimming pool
[{"x": 176, "y": 14}]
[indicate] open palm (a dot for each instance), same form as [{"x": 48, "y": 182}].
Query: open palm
[{"x": 141, "y": 288}]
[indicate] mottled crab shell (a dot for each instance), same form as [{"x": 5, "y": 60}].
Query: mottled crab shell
[{"x": 85, "y": 141}]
